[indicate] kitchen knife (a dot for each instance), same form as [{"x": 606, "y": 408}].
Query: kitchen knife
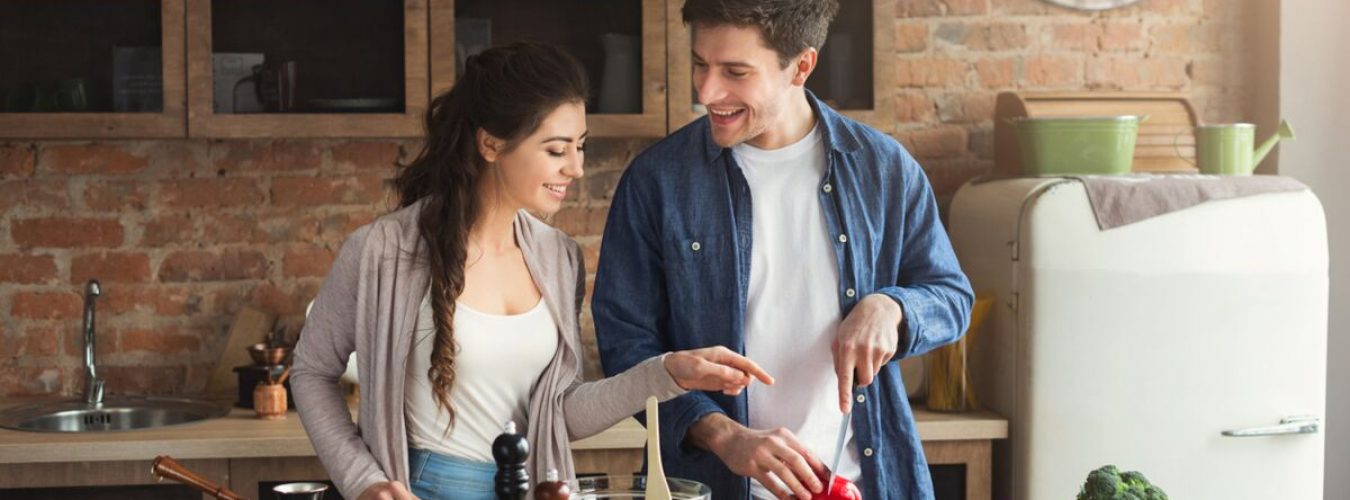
[{"x": 839, "y": 448}]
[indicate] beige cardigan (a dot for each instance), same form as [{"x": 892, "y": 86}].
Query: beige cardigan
[{"x": 368, "y": 304}]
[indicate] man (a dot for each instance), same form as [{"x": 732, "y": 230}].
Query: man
[{"x": 807, "y": 241}]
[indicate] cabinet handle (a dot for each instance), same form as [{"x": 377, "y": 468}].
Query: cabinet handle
[{"x": 1303, "y": 424}]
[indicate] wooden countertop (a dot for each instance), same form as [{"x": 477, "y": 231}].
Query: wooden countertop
[{"x": 240, "y": 435}]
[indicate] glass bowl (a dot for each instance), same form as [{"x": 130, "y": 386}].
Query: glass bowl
[{"x": 634, "y": 487}]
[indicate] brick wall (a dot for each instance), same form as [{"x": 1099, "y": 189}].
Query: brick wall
[{"x": 182, "y": 233}]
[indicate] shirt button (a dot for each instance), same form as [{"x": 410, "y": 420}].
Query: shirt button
[
  {"x": 862, "y": 398},
  {"x": 850, "y": 293},
  {"x": 843, "y": 238},
  {"x": 695, "y": 246},
  {"x": 828, "y": 188},
  {"x": 867, "y": 452}
]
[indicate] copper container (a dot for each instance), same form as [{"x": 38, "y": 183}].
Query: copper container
[
  {"x": 269, "y": 400},
  {"x": 264, "y": 354}
]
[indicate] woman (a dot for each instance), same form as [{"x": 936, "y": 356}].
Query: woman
[{"x": 462, "y": 308}]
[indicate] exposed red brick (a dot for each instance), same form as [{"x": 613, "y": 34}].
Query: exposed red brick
[
  {"x": 168, "y": 340},
  {"x": 119, "y": 195},
  {"x": 995, "y": 74},
  {"x": 581, "y": 221},
  {"x": 228, "y": 265},
  {"x": 27, "y": 269},
  {"x": 1023, "y": 7},
  {"x": 307, "y": 261},
  {"x": 910, "y": 36},
  {"x": 1122, "y": 36},
  {"x": 1137, "y": 73},
  {"x": 1171, "y": 38},
  {"x": 366, "y": 155},
  {"x": 924, "y": 8},
  {"x": 211, "y": 193},
  {"x": 33, "y": 195},
  {"x": 46, "y": 305},
  {"x": 914, "y": 107},
  {"x": 111, "y": 267},
  {"x": 590, "y": 250},
  {"x": 255, "y": 156},
  {"x": 105, "y": 340},
  {"x": 1079, "y": 36},
  {"x": 317, "y": 191},
  {"x": 67, "y": 232},
  {"x": 967, "y": 107},
  {"x": 157, "y": 300},
  {"x": 335, "y": 228},
  {"x": 985, "y": 36},
  {"x": 1051, "y": 71},
  {"x": 284, "y": 300},
  {"x": 16, "y": 161},
  {"x": 233, "y": 228},
  {"x": 1164, "y": 7},
  {"x": 35, "y": 341},
  {"x": 164, "y": 230},
  {"x": 931, "y": 72},
  {"x": 24, "y": 381},
  {"x": 38, "y": 341},
  {"x": 937, "y": 142},
  {"x": 597, "y": 186},
  {"x": 144, "y": 379},
  {"x": 90, "y": 159},
  {"x": 178, "y": 159}
]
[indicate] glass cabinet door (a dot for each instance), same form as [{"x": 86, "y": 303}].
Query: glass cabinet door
[
  {"x": 620, "y": 43},
  {"x": 307, "y": 68},
  {"x": 91, "y": 68}
]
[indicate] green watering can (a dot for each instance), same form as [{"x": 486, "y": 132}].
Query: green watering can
[{"x": 1226, "y": 149}]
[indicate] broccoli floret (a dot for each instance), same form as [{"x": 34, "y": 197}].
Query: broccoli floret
[{"x": 1108, "y": 483}]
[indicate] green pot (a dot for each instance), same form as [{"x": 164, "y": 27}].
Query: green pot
[{"x": 1096, "y": 145}]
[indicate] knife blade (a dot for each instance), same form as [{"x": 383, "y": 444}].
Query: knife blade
[{"x": 839, "y": 448}]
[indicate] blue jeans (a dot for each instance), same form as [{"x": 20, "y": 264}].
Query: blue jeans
[{"x": 442, "y": 476}]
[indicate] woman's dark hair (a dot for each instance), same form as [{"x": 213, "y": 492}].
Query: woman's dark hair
[{"x": 507, "y": 92}]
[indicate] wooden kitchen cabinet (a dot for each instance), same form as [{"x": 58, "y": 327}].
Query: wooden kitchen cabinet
[
  {"x": 359, "y": 68},
  {"x": 855, "y": 73},
  {"x": 620, "y": 43},
  {"x": 369, "y": 69},
  {"x": 60, "y": 59}
]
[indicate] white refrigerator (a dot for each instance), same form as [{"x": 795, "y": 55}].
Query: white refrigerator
[{"x": 1190, "y": 346}]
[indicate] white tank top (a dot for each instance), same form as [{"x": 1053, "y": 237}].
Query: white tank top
[{"x": 500, "y": 358}]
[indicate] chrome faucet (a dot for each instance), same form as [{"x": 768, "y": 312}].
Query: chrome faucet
[{"x": 93, "y": 386}]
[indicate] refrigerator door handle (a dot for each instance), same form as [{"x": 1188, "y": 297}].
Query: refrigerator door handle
[{"x": 1303, "y": 424}]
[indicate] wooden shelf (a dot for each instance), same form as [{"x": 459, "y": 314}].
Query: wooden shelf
[
  {"x": 428, "y": 68},
  {"x": 204, "y": 122},
  {"x": 169, "y": 122},
  {"x": 651, "y": 122}
]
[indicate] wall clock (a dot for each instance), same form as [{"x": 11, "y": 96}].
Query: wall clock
[{"x": 1092, "y": 4}]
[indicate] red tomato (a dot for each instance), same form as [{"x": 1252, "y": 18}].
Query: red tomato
[{"x": 841, "y": 489}]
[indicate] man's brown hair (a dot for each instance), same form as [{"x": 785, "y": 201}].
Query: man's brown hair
[{"x": 789, "y": 26}]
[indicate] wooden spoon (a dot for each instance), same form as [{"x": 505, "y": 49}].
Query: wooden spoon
[
  {"x": 657, "y": 488},
  {"x": 165, "y": 467}
]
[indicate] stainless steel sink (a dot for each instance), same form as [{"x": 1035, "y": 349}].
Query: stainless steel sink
[{"x": 113, "y": 414}]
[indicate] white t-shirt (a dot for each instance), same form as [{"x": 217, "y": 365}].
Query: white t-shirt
[
  {"x": 499, "y": 360},
  {"x": 792, "y": 313}
]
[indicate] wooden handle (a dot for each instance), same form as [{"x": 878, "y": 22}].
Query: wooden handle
[
  {"x": 284, "y": 374},
  {"x": 166, "y": 467}
]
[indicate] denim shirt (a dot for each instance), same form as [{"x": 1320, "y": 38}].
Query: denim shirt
[{"x": 675, "y": 268}]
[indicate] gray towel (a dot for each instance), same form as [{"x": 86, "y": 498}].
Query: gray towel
[{"x": 1118, "y": 200}]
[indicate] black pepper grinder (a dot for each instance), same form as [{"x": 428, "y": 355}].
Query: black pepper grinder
[{"x": 510, "y": 450}]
